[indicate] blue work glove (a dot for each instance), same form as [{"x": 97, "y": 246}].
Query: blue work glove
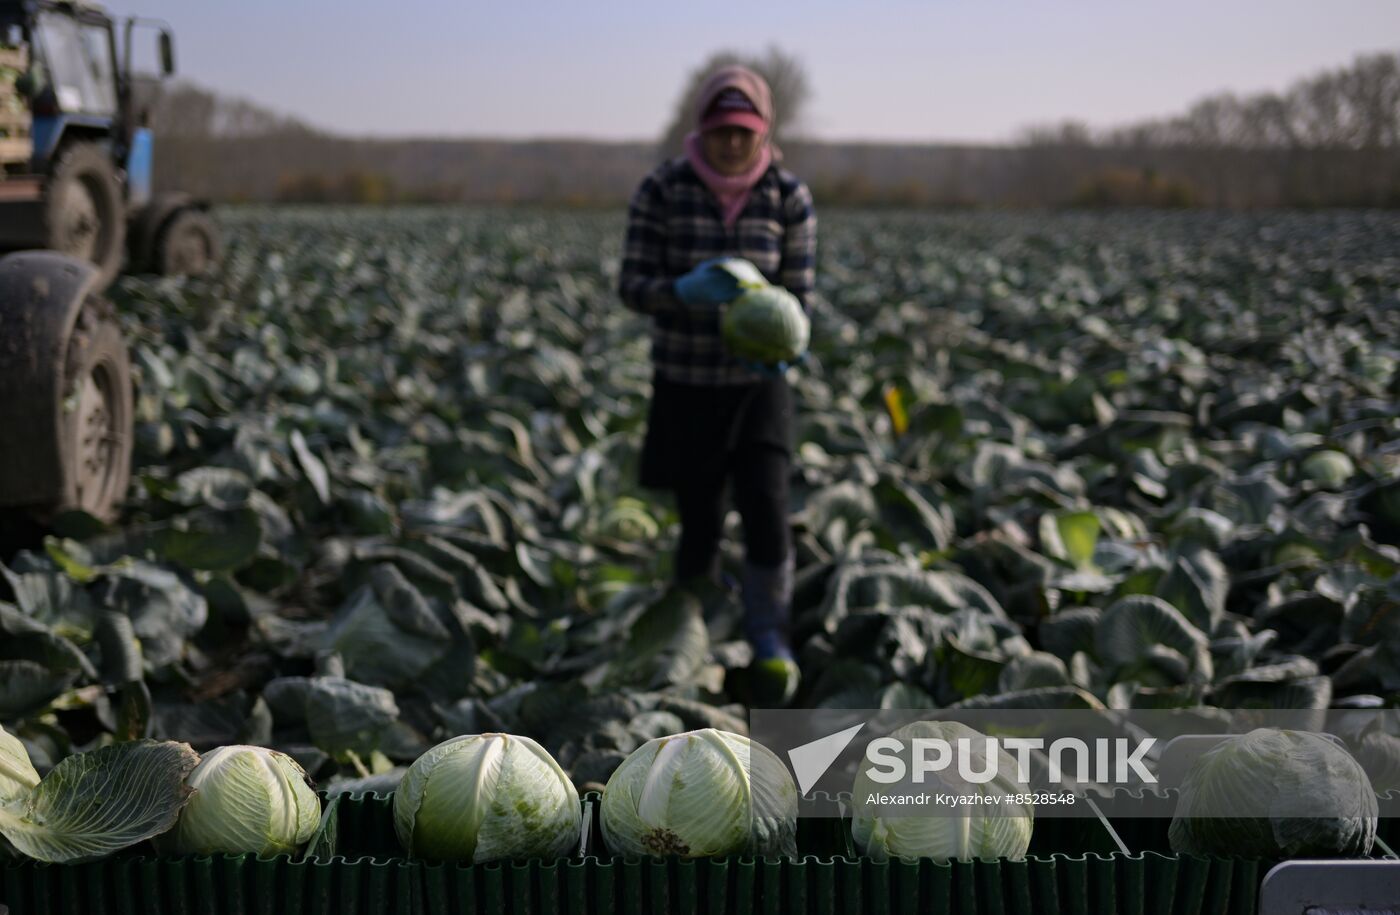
[{"x": 708, "y": 284}]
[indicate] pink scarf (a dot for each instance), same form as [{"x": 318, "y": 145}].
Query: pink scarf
[{"x": 732, "y": 191}]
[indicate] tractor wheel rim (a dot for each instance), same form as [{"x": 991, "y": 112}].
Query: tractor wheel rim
[
  {"x": 97, "y": 440},
  {"x": 80, "y": 222}
]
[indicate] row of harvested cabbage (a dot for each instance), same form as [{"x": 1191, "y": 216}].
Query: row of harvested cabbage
[{"x": 702, "y": 793}]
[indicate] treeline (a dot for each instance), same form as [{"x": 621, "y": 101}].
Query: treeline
[
  {"x": 1329, "y": 140},
  {"x": 1332, "y": 139}
]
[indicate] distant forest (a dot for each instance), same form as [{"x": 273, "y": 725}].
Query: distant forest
[{"x": 1331, "y": 140}]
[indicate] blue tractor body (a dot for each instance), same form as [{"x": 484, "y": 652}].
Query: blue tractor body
[
  {"x": 76, "y": 173},
  {"x": 82, "y": 181}
]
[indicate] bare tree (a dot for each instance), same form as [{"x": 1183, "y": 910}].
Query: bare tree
[
  {"x": 1330, "y": 139},
  {"x": 1269, "y": 123},
  {"x": 1371, "y": 88},
  {"x": 786, "y": 77},
  {"x": 1317, "y": 112},
  {"x": 1064, "y": 135}
]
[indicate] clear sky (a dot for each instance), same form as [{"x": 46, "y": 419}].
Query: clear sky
[{"x": 936, "y": 70}]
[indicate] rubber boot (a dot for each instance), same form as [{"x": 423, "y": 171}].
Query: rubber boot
[{"x": 767, "y": 598}]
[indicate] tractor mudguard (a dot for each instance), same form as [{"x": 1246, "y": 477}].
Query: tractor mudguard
[{"x": 41, "y": 295}]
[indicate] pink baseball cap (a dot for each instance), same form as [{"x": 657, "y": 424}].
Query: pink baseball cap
[{"x": 731, "y": 107}]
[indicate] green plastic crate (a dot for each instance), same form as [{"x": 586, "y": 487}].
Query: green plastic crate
[
  {"x": 364, "y": 827},
  {"x": 1388, "y": 830},
  {"x": 1075, "y": 866},
  {"x": 826, "y": 878},
  {"x": 1193, "y": 883},
  {"x": 136, "y": 883},
  {"x": 218, "y": 885}
]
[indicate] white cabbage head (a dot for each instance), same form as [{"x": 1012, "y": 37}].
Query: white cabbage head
[
  {"x": 487, "y": 797},
  {"x": 944, "y": 833},
  {"x": 247, "y": 800},
  {"x": 700, "y": 794},
  {"x": 1275, "y": 793}
]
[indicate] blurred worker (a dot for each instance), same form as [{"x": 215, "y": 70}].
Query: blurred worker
[{"x": 717, "y": 425}]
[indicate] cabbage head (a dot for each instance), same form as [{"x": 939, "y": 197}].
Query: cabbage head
[
  {"x": 1330, "y": 469},
  {"x": 766, "y": 325},
  {"x": 487, "y": 797},
  {"x": 247, "y": 800},
  {"x": 700, "y": 794},
  {"x": 1275, "y": 794},
  {"x": 1378, "y": 751},
  {"x": 744, "y": 272},
  {"x": 1002, "y": 830}
]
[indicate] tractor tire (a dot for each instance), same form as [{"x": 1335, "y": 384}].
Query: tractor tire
[
  {"x": 84, "y": 216},
  {"x": 97, "y": 422},
  {"x": 66, "y": 412},
  {"x": 188, "y": 244}
]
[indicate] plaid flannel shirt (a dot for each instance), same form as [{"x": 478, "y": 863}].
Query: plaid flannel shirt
[{"x": 674, "y": 223}]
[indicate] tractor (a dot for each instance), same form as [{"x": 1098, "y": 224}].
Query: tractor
[{"x": 76, "y": 159}]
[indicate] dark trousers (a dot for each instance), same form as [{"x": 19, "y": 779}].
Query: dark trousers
[
  {"x": 758, "y": 481},
  {"x": 708, "y": 445}
]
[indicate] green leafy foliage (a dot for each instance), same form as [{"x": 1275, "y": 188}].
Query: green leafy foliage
[
  {"x": 386, "y": 488},
  {"x": 96, "y": 803}
]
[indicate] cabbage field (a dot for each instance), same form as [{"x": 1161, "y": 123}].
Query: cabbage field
[{"x": 385, "y": 488}]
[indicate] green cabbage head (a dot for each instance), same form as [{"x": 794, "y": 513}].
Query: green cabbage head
[
  {"x": 700, "y": 794},
  {"x": 977, "y": 831},
  {"x": 487, "y": 797},
  {"x": 1330, "y": 469},
  {"x": 1275, "y": 794},
  {"x": 247, "y": 800},
  {"x": 766, "y": 325}
]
